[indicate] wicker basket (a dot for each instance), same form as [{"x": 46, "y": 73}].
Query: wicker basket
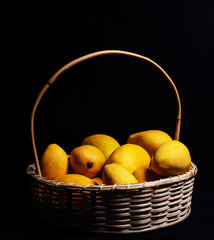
[{"x": 131, "y": 208}]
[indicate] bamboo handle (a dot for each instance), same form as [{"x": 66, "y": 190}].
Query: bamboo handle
[{"x": 92, "y": 55}]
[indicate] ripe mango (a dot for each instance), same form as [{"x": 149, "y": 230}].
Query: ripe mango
[
  {"x": 115, "y": 174},
  {"x": 54, "y": 162},
  {"x": 75, "y": 178},
  {"x": 130, "y": 156},
  {"x": 87, "y": 160},
  {"x": 105, "y": 143},
  {"x": 150, "y": 140},
  {"x": 171, "y": 158}
]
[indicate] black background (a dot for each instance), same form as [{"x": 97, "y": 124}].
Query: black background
[{"x": 115, "y": 95}]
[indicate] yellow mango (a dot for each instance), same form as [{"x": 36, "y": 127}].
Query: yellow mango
[
  {"x": 87, "y": 160},
  {"x": 105, "y": 143},
  {"x": 130, "y": 156},
  {"x": 75, "y": 178},
  {"x": 171, "y": 158},
  {"x": 115, "y": 174},
  {"x": 150, "y": 140},
  {"x": 54, "y": 162}
]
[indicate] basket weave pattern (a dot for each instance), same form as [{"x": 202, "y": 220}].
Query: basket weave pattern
[{"x": 114, "y": 208}]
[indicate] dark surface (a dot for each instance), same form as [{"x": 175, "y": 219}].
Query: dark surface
[{"x": 133, "y": 96}]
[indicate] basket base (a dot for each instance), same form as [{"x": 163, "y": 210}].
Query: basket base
[{"x": 111, "y": 229}]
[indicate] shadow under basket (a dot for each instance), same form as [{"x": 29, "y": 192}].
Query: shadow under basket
[
  {"x": 116, "y": 208},
  {"x": 130, "y": 208}
]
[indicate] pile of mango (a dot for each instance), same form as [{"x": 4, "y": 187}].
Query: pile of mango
[{"x": 147, "y": 156}]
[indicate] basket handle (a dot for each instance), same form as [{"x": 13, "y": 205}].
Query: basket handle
[{"x": 92, "y": 55}]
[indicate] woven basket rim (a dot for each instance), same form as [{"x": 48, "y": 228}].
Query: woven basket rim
[{"x": 31, "y": 171}]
